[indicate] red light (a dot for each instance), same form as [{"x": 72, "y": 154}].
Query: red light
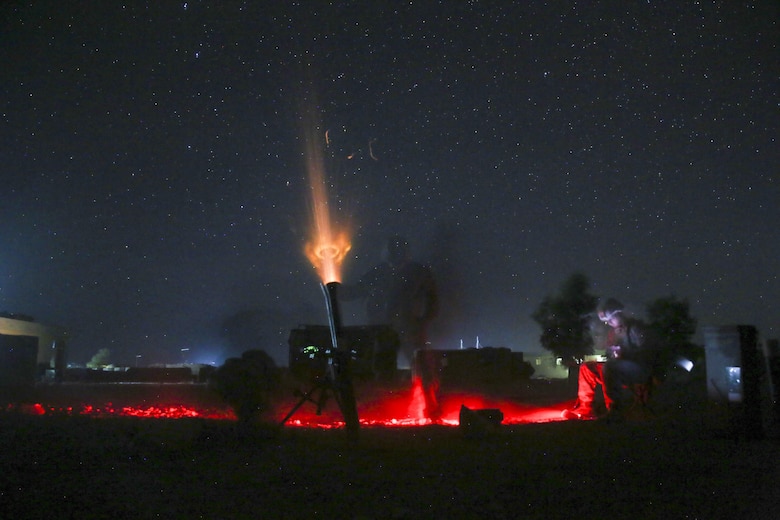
[{"x": 393, "y": 410}]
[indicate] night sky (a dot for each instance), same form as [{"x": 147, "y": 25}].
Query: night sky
[{"x": 154, "y": 179}]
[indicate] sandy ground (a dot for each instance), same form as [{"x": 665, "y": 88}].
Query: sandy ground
[{"x": 683, "y": 465}]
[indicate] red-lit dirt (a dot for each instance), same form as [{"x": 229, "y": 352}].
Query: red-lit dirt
[
  {"x": 390, "y": 406},
  {"x": 401, "y": 408}
]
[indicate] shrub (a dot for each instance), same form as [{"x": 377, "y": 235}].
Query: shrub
[{"x": 247, "y": 384}]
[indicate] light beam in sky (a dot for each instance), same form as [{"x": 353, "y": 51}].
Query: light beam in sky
[{"x": 328, "y": 244}]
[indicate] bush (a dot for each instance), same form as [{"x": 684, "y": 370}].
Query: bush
[{"x": 247, "y": 384}]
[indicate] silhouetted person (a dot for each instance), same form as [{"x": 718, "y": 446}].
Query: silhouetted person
[
  {"x": 401, "y": 294},
  {"x": 631, "y": 357}
]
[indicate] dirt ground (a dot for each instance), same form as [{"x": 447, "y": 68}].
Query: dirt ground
[{"x": 691, "y": 466}]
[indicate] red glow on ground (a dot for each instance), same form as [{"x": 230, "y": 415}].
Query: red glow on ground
[
  {"x": 393, "y": 410},
  {"x": 108, "y": 410},
  {"x": 405, "y": 409},
  {"x": 417, "y": 402},
  {"x": 390, "y": 408}
]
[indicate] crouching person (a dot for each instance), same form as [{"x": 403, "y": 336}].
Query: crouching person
[{"x": 631, "y": 357}]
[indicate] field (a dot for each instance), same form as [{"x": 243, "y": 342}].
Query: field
[{"x": 691, "y": 464}]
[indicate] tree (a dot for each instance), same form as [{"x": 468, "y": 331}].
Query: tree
[
  {"x": 246, "y": 384},
  {"x": 565, "y": 319},
  {"x": 670, "y": 320}
]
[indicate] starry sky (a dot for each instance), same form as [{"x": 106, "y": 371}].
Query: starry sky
[{"x": 154, "y": 171}]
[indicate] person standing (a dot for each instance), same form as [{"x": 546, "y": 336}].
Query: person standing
[{"x": 402, "y": 294}]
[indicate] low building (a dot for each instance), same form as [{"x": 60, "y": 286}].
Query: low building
[
  {"x": 25, "y": 343},
  {"x": 549, "y": 366}
]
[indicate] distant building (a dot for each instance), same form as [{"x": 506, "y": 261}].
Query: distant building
[
  {"x": 548, "y": 366},
  {"x": 25, "y": 342}
]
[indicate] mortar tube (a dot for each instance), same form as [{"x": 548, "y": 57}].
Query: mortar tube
[{"x": 330, "y": 290}]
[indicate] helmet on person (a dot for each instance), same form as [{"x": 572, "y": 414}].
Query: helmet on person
[
  {"x": 609, "y": 308},
  {"x": 396, "y": 250}
]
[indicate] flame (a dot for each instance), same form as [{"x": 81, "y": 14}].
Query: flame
[
  {"x": 327, "y": 253},
  {"x": 328, "y": 245}
]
